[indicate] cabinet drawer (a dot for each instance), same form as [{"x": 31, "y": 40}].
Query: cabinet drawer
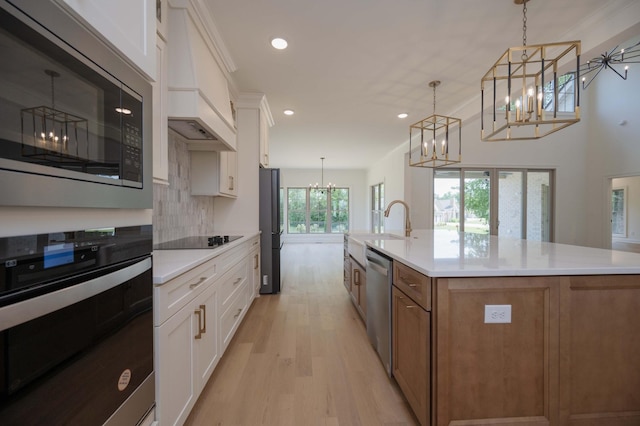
[
  {"x": 231, "y": 317},
  {"x": 416, "y": 285},
  {"x": 170, "y": 297},
  {"x": 232, "y": 282},
  {"x": 229, "y": 258}
]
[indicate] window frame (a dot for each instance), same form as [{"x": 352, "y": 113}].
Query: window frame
[
  {"x": 377, "y": 208},
  {"x": 309, "y": 213},
  {"x": 493, "y": 174}
]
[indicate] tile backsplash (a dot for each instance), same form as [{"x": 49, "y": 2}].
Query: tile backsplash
[{"x": 176, "y": 213}]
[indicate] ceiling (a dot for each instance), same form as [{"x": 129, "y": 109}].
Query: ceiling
[{"x": 353, "y": 65}]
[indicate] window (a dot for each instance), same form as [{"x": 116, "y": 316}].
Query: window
[
  {"x": 506, "y": 202},
  {"x": 377, "y": 208},
  {"x": 317, "y": 211},
  {"x": 618, "y": 213},
  {"x": 566, "y": 94},
  {"x": 297, "y": 210},
  {"x": 340, "y": 210}
]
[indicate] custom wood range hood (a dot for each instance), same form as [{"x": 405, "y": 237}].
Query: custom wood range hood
[{"x": 199, "y": 105}]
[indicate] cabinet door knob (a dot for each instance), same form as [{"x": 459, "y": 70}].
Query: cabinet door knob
[{"x": 238, "y": 314}]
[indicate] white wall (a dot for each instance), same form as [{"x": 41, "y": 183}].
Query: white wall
[
  {"x": 355, "y": 180},
  {"x": 240, "y": 215},
  {"x": 391, "y": 171},
  {"x": 614, "y": 145}
]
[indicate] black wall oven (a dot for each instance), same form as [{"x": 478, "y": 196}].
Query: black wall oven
[
  {"x": 76, "y": 327},
  {"x": 75, "y": 119}
]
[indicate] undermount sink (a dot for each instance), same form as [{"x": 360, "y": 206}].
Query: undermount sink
[{"x": 357, "y": 247}]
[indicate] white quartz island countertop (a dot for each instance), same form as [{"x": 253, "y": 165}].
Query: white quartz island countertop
[
  {"x": 168, "y": 264},
  {"x": 453, "y": 254}
]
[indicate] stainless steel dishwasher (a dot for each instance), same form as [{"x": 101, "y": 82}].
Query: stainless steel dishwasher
[{"x": 379, "y": 276}]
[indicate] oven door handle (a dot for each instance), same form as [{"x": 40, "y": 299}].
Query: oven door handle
[{"x": 26, "y": 310}]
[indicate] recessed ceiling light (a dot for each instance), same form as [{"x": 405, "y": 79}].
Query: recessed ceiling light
[
  {"x": 279, "y": 43},
  {"x": 403, "y": 115},
  {"x": 288, "y": 112}
]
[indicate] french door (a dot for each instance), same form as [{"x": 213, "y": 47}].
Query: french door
[{"x": 513, "y": 203}]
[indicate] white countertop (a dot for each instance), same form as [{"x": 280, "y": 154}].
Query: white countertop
[
  {"x": 453, "y": 254},
  {"x": 168, "y": 264}
]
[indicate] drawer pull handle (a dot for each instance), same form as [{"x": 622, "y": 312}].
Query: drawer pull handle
[
  {"x": 256, "y": 259},
  {"x": 238, "y": 314},
  {"x": 199, "y": 314},
  {"x": 356, "y": 277},
  {"x": 200, "y": 281},
  {"x": 412, "y": 285},
  {"x": 237, "y": 281}
]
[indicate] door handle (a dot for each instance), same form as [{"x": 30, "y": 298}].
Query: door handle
[
  {"x": 200, "y": 281},
  {"x": 379, "y": 269}
]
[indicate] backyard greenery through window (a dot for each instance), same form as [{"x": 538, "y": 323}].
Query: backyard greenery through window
[{"x": 313, "y": 211}]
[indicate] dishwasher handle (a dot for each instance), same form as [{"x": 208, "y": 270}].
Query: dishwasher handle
[{"x": 376, "y": 267}]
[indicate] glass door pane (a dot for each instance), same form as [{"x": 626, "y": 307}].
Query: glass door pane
[
  {"x": 446, "y": 199},
  {"x": 476, "y": 197},
  {"x": 539, "y": 206},
  {"x": 317, "y": 211},
  {"x": 510, "y": 203}
]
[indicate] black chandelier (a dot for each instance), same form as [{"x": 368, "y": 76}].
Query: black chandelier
[{"x": 613, "y": 59}]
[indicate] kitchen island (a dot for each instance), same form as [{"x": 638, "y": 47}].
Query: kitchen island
[{"x": 490, "y": 330}]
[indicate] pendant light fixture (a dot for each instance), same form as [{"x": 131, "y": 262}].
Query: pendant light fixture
[
  {"x": 613, "y": 60},
  {"x": 329, "y": 186},
  {"x": 532, "y": 90},
  {"x": 435, "y": 141}
]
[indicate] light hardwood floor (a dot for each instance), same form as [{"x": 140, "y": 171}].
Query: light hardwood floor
[{"x": 302, "y": 357}]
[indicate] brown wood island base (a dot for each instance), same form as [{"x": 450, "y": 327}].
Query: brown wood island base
[{"x": 570, "y": 355}]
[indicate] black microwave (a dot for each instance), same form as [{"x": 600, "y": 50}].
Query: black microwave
[{"x": 75, "y": 126}]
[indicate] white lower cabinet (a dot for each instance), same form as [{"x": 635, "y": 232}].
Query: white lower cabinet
[
  {"x": 188, "y": 353},
  {"x": 197, "y": 315}
]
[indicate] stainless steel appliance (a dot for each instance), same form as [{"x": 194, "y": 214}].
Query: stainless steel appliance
[
  {"x": 76, "y": 327},
  {"x": 188, "y": 243},
  {"x": 378, "y": 293},
  {"x": 271, "y": 230},
  {"x": 75, "y": 119}
]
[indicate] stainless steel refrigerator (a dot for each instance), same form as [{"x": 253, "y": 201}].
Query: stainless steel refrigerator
[{"x": 271, "y": 230}]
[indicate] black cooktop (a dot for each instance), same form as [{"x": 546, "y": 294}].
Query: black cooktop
[{"x": 197, "y": 242}]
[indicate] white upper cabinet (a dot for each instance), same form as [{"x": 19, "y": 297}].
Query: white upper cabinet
[
  {"x": 129, "y": 26},
  {"x": 255, "y": 119}
]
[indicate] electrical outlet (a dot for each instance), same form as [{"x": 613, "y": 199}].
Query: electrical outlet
[{"x": 497, "y": 314}]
